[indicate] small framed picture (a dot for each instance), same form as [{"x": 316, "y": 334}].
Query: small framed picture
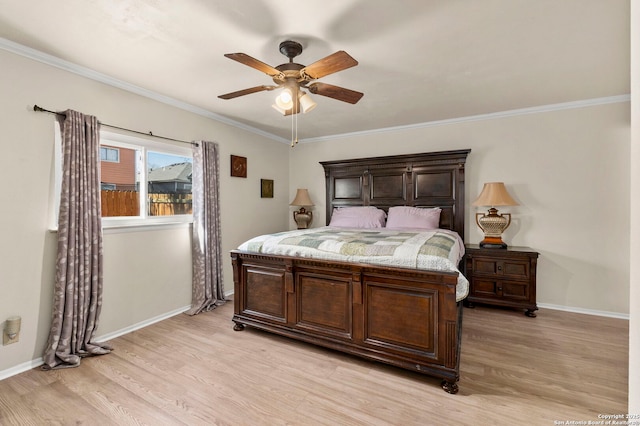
[
  {"x": 238, "y": 166},
  {"x": 266, "y": 188}
]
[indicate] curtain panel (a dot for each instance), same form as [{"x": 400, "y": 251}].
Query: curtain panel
[
  {"x": 78, "y": 282},
  {"x": 207, "y": 286}
]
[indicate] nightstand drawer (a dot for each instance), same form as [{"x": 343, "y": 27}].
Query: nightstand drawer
[
  {"x": 518, "y": 269},
  {"x": 507, "y": 290}
]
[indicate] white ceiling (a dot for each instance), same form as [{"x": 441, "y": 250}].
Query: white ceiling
[{"x": 420, "y": 61}]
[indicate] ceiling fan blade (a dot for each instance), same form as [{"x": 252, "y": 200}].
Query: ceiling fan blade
[
  {"x": 333, "y": 63},
  {"x": 335, "y": 92},
  {"x": 246, "y": 92},
  {"x": 253, "y": 63}
]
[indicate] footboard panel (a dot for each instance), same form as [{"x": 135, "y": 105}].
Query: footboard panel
[
  {"x": 324, "y": 304},
  {"x": 401, "y": 319},
  {"x": 404, "y": 317},
  {"x": 264, "y": 294}
]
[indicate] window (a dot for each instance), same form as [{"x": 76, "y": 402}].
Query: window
[
  {"x": 110, "y": 154},
  {"x": 143, "y": 182},
  {"x": 150, "y": 182}
]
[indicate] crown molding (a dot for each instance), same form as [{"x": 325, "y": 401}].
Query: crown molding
[
  {"x": 481, "y": 117},
  {"x": 103, "y": 78}
]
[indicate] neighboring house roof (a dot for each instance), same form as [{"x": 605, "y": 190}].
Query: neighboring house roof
[{"x": 180, "y": 172}]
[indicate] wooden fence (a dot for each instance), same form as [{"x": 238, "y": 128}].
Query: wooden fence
[
  {"x": 120, "y": 203},
  {"x": 126, "y": 203},
  {"x": 170, "y": 204}
]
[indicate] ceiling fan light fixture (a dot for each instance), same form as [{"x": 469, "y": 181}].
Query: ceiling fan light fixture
[
  {"x": 285, "y": 99},
  {"x": 306, "y": 102}
]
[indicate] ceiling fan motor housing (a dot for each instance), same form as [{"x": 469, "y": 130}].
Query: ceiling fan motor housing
[{"x": 290, "y": 49}]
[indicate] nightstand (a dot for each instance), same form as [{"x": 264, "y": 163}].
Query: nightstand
[{"x": 501, "y": 277}]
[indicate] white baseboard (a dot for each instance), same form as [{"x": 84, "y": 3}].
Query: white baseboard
[
  {"x": 26, "y": 366},
  {"x": 21, "y": 368},
  {"x": 142, "y": 324},
  {"x": 584, "y": 311}
]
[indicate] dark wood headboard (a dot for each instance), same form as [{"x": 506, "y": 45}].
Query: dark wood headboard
[{"x": 432, "y": 179}]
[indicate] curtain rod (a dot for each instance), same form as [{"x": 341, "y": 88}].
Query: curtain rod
[{"x": 40, "y": 109}]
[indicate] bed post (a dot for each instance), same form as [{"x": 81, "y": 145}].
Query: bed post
[{"x": 235, "y": 262}]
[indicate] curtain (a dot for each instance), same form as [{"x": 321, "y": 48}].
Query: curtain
[
  {"x": 78, "y": 284},
  {"x": 207, "y": 286}
]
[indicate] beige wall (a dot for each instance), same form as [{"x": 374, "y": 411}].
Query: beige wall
[
  {"x": 569, "y": 171},
  {"x": 148, "y": 272}
]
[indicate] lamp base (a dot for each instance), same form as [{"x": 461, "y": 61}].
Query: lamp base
[
  {"x": 302, "y": 218},
  {"x": 493, "y": 226},
  {"x": 493, "y": 242},
  {"x": 493, "y": 246}
]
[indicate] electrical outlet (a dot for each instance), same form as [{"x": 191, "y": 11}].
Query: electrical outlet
[
  {"x": 11, "y": 330},
  {"x": 7, "y": 340}
]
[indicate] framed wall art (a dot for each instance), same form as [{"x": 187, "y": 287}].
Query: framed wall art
[
  {"x": 266, "y": 188},
  {"x": 238, "y": 166}
]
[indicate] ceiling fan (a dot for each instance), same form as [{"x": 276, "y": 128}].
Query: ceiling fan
[{"x": 293, "y": 77}]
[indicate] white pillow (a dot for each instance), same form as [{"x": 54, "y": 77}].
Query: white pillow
[
  {"x": 403, "y": 217},
  {"x": 358, "y": 217}
]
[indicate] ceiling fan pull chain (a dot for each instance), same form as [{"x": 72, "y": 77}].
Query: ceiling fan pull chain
[{"x": 292, "y": 136}]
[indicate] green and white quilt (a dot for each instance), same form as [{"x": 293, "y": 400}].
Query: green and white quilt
[{"x": 439, "y": 249}]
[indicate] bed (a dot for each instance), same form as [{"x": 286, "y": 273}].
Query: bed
[{"x": 391, "y": 312}]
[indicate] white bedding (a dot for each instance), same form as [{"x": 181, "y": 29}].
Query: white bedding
[{"x": 439, "y": 249}]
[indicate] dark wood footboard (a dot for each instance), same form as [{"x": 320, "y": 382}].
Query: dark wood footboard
[{"x": 403, "y": 317}]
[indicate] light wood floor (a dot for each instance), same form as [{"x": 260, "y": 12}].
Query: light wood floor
[{"x": 197, "y": 371}]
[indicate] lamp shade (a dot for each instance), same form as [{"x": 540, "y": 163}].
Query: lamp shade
[
  {"x": 285, "y": 99},
  {"x": 302, "y": 198},
  {"x": 307, "y": 103},
  {"x": 494, "y": 194}
]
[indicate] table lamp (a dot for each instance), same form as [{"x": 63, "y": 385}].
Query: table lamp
[
  {"x": 302, "y": 216},
  {"x": 493, "y": 224}
]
